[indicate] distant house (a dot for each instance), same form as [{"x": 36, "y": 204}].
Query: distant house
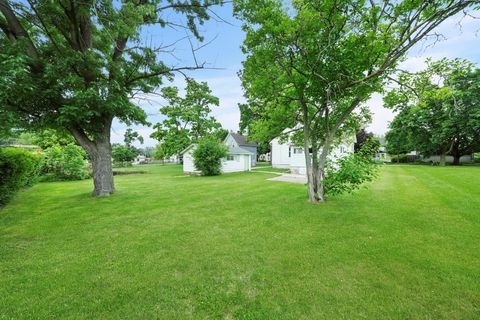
[
  {"x": 237, "y": 160},
  {"x": 236, "y": 140},
  {"x": 141, "y": 159},
  {"x": 382, "y": 155},
  {"x": 287, "y": 155}
]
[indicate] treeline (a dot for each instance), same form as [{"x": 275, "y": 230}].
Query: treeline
[{"x": 438, "y": 112}]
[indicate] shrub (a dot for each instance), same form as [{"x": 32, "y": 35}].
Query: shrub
[
  {"x": 400, "y": 158},
  {"x": 18, "y": 168},
  {"x": 123, "y": 155},
  {"x": 207, "y": 156},
  {"x": 349, "y": 173},
  {"x": 476, "y": 157},
  {"x": 65, "y": 163}
]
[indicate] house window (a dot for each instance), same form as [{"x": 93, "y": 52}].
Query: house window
[
  {"x": 230, "y": 158},
  {"x": 289, "y": 152},
  {"x": 297, "y": 150}
]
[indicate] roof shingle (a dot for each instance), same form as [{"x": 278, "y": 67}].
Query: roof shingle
[{"x": 242, "y": 140}]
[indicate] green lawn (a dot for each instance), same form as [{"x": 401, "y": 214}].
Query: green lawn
[
  {"x": 263, "y": 164},
  {"x": 237, "y": 246},
  {"x": 270, "y": 169}
]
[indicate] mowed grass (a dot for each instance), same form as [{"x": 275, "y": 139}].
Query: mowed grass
[{"x": 239, "y": 247}]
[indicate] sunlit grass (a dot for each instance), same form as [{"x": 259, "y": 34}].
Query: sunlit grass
[{"x": 237, "y": 246}]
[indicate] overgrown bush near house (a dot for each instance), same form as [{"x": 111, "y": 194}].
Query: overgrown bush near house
[
  {"x": 207, "y": 157},
  {"x": 18, "y": 168},
  {"x": 65, "y": 163},
  {"x": 351, "y": 172}
]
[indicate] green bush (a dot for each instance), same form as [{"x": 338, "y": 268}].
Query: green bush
[
  {"x": 123, "y": 155},
  {"x": 18, "y": 168},
  {"x": 404, "y": 158},
  {"x": 476, "y": 157},
  {"x": 351, "y": 172},
  {"x": 65, "y": 163},
  {"x": 207, "y": 157}
]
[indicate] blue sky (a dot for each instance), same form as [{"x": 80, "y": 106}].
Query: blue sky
[{"x": 224, "y": 56}]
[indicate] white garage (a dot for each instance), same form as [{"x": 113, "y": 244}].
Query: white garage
[{"x": 238, "y": 160}]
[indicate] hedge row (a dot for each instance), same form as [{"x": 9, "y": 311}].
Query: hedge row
[{"x": 18, "y": 168}]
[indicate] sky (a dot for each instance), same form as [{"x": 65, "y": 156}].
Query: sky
[{"x": 223, "y": 58}]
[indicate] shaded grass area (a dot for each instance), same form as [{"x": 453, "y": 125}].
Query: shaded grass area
[{"x": 238, "y": 246}]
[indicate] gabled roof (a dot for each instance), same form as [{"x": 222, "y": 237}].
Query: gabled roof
[
  {"x": 237, "y": 150},
  {"x": 231, "y": 150},
  {"x": 242, "y": 140},
  {"x": 188, "y": 148}
]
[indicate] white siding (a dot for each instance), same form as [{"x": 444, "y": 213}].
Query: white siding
[
  {"x": 285, "y": 155},
  {"x": 229, "y": 141},
  {"x": 188, "y": 166},
  {"x": 297, "y": 158},
  {"x": 241, "y": 162},
  {"x": 342, "y": 150},
  {"x": 280, "y": 156}
]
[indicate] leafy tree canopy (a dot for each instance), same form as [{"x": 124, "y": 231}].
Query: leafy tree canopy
[
  {"x": 188, "y": 118},
  {"x": 438, "y": 108},
  {"x": 311, "y": 65},
  {"x": 76, "y": 65}
]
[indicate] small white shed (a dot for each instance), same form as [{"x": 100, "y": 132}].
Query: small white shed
[{"x": 238, "y": 160}]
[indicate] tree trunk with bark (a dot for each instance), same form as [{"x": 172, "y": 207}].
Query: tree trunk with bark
[
  {"x": 443, "y": 159},
  {"x": 99, "y": 151},
  {"x": 456, "y": 154},
  {"x": 317, "y": 181},
  {"x": 315, "y": 165},
  {"x": 101, "y": 159},
  {"x": 456, "y": 159},
  {"x": 308, "y": 164}
]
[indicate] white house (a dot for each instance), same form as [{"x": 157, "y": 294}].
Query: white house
[
  {"x": 236, "y": 140},
  {"x": 287, "y": 155},
  {"x": 238, "y": 160}
]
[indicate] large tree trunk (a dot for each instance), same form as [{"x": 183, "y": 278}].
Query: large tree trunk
[
  {"x": 456, "y": 154},
  {"x": 456, "y": 159},
  {"x": 308, "y": 165},
  {"x": 99, "y": 151},
  {"x": 318, "y": 166},
  {"x": 101, "y": 159},
  {"x": 443, "y": 158},
  {"x": 308, "y": 160}
]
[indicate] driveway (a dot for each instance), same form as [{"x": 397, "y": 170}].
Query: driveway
[{"x": 288, "y": 177}]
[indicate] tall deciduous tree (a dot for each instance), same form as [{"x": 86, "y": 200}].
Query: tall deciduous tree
[
  {"x": 439, "y": 110},
  {"x": 187, "y": 118},
  {"x": 314, "y": 63},
  {"x": 76, "y": 65}
]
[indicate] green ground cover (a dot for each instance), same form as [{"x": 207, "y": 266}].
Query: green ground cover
[{"x": 237, "y": 246}]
